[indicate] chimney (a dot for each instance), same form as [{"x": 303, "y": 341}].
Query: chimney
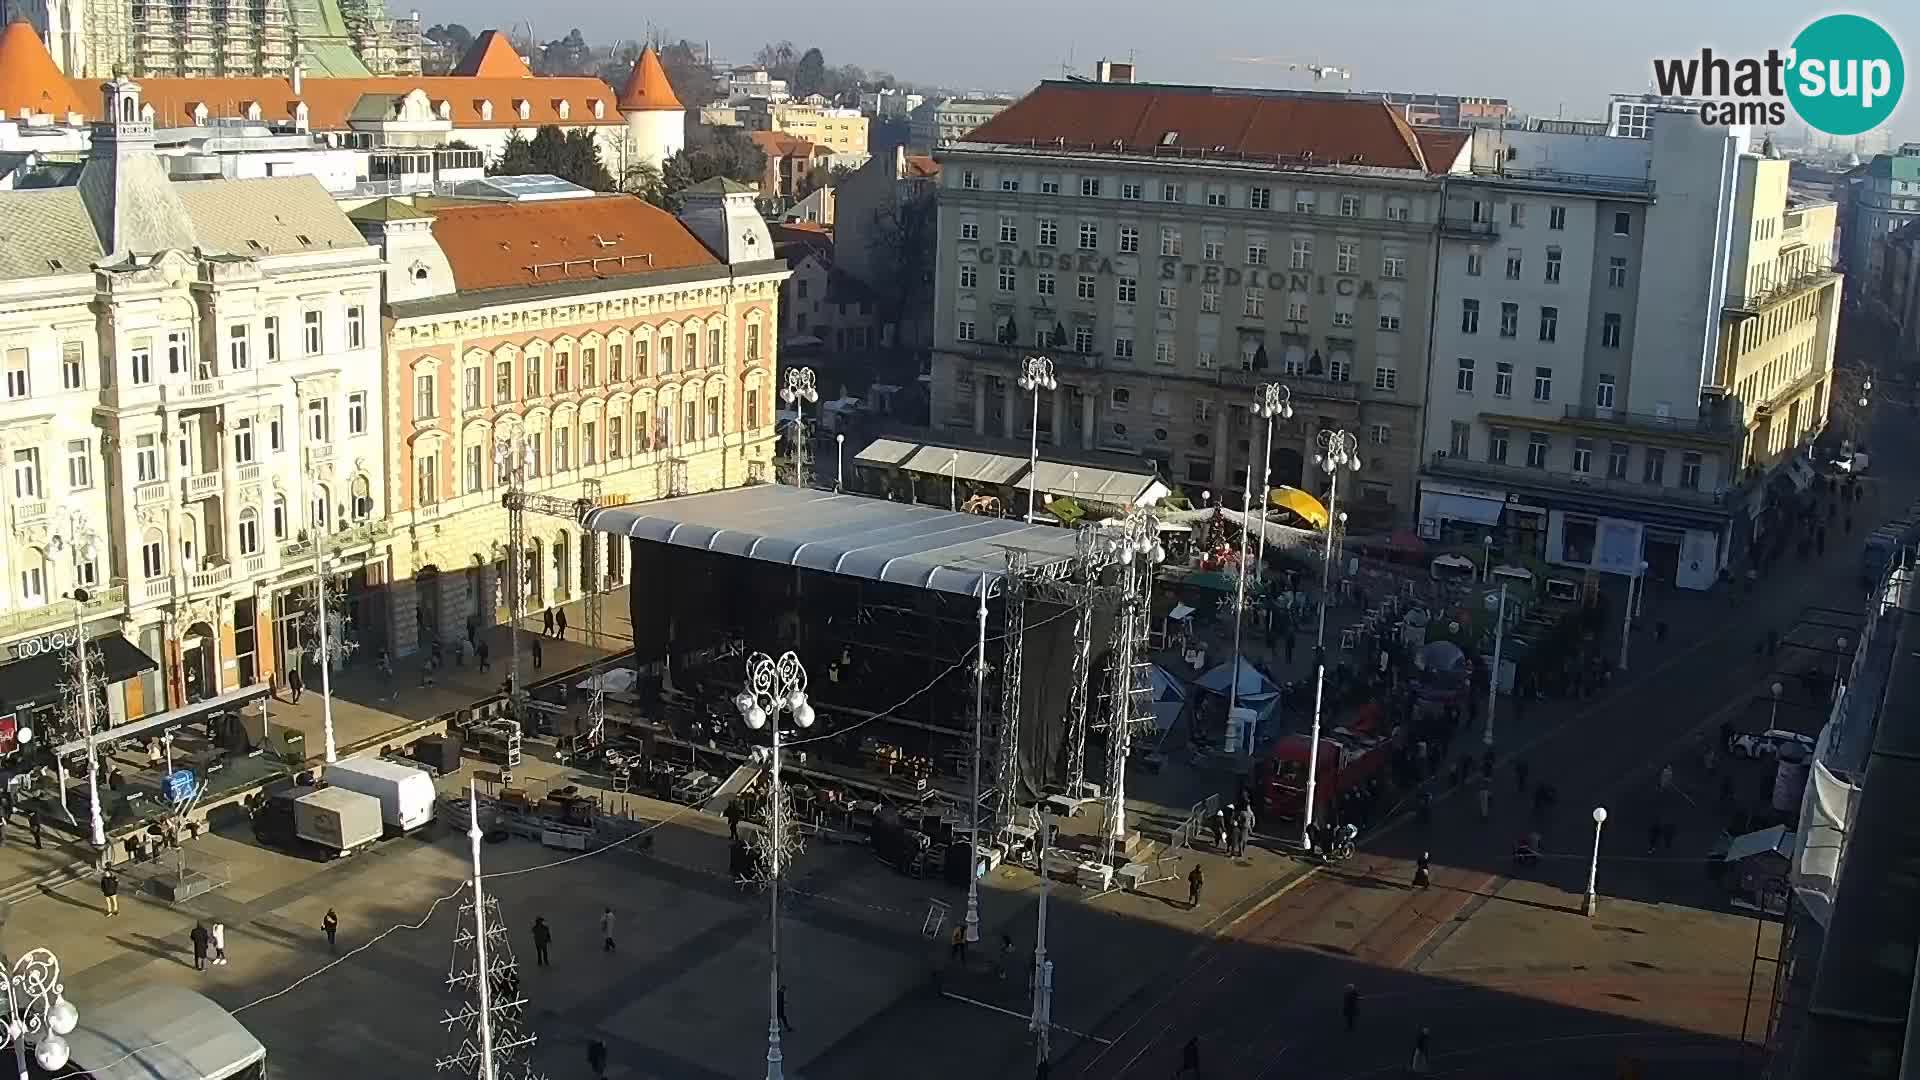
[
  {"x": 299, "y": 77},
  {"x": 1111, "y": 71}
]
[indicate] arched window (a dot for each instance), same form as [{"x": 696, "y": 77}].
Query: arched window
[
  {"x": 362, "y": 499},
  {"x": 153, "y": 554},
  {"x": 126, "y": 109},
  {"x": 33, "y": 578},
  {"x": 249, "y": 531},
  {"x": 279, "y": 517},
  {"x": 321, "y": 515}
]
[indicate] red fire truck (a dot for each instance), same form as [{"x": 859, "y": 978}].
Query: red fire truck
[{"x": 1347, "y": 760}]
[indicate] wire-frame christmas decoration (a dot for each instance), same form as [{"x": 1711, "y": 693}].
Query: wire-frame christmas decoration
[
  {"x": 83, "y": 689},
  {"x": 330, "y": 603},
  {"x": 488, "y": 1031}
]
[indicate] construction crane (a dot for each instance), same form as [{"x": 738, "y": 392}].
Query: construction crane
[{"x": 1318, "y": 71}]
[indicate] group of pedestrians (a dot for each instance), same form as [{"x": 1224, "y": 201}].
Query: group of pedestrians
[{"x": 1233, "y": 827}]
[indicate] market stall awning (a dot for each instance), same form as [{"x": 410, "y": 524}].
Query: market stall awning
[
  {"x": 886, "y": 452},
  {"x": 974, "y": 466},
  {"x": 1088, "y": 483},
  {"x": 1309, "y": 509},
  {"x": 36, "y": 679},
  {"x": 1445, "y": 506}
]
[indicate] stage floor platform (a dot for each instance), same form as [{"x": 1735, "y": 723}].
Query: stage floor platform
[{"x": 855, "y": 535}]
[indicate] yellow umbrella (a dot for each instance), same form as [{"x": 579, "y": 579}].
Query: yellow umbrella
[{"x": 1301, "y": 503}]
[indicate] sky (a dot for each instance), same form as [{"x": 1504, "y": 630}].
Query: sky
[{"x": 1545, "y": 55}]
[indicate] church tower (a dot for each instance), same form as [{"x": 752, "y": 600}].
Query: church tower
[{"x": 656, "y": 121}]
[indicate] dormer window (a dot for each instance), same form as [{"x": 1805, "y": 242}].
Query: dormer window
[
  {"x": 486, "y": 110},
  {"x": 564, "y": 108},
  {"x": 300, "y": 116},
  {"x": 146, "y": 113},
  {"x": 599, "y": 109},
  {"x": 252, "y": 110},
  {"x": 200, "y": 113},
  {"x": 523, "y": 108}
]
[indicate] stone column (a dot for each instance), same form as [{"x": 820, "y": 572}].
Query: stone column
[
  {"x": 1010, "y": 403},
  {"x": 404, "y": 609},
  {"x": 452, "y": 608},
  {"x": 1087, "y": 394},
  {"x": 1059, "y": 416},
  {"x": 488, "y": 605}
]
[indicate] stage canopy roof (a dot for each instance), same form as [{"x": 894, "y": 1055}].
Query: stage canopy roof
[{"x": 898, "y": 543}]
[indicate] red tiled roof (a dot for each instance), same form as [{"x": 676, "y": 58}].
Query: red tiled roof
[
  {"x": 492, "y": 56},
  {"x": 498, "y": 245},
  {"x": 919, "y": 165},
  {"x": 648, "y": 87},
  {"x": 781, "y": 144},
  {"x": 29, "y": 80},
  {"x": 1192, "y": 121},
  {"x": 1441, "y": 145}
]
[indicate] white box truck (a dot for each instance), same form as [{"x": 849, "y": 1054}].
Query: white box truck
[
  {"x": 327, "y": 821},
  {"x": 406, "y": 794}
]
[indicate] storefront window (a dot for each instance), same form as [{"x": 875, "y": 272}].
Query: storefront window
[{"x": 1577, "y": 537}]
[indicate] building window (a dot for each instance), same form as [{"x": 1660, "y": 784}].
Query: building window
[
  {"x": 243, "y": 440},
  {"x": 356, "y": 327},
  {"x": 1622, "y": 223},
  {"x": 153, "y": 554},
  {"x": 1119, "y": 399},
  {"x": 1690, "y": 470},
  {"x": 312, "y": 335},
  {"x": 1543, "y": 384},
  {"x": 1043, "y": 283},
  {"x": 969, "y": 276},
  {"x": 1009, "y": 183},
  {"x": 1303, "y": 202},
  {"x": 1256, "y": 253},
  {"x": 1083, "y": 339},
  {"x": 1089, "y": 236},
  {"x": 1653, "y": 470},
  {"x": 146, "y": 458},
  {"x": 1469, "y": 316},
  {"x": 1090, "y": 187},
  {"x": 73, "y": 374},
  {"x": 1342, "y": 318},
  {"x": 1556, "y": 217},
  {"x": 1509, "y": 320},
  {"x": 1126, "y": 289},
  {"x": 1009, "y": 229},
  {"x": 963, "y": 330},
  {"x": 970, "y": 180},
  {"x": 1513, "y": 264},
  {"x": 1381, "y": 434},
  {"x": 713, "y": 418},
  {"x": 1475, "y": 259},
  {"x": 423, "y": 403},
  {"x": 317, "y": 420},
  {"x": 969, "y": 230},
  {"x": 1346, "y": 256},
  {"x": 1216, "y": 195},
  {"x": 1617, "y": 272},
  {"x": 1385, "y": 375},
  {"x": 689, "y": 423},
  {"x": 535, "y": 383},
  {"x": 249, "y": 532},
  {"x": 276, "y": 438},
  {"x": 1617, "y": 461},
  {"x": 1256, "y": 304},
  {"x": 279, "y": 517},
  {"x": 1393, "y": 266},
  {"x": 237, "y": 358},
  {"x": 79, "y": 465},
  {"x": 1517, "y": 213},
  {"x": 1549, "y": 323},
  {"x": 1463, "y": 375},
  {"x": 1300, "y": 253},
  {"x": 1083, "y": 287},
  {"x": 1610, "y": 330},
  {"x": 1169, "y": 297},
  {"x": 426, "y": 484},
  {"x": 1603, "y": 392},
  {"x": 357, "y": 412},
  {"x": 1132, "y": 189},
  {"x": 562, "y": 449},
  {"x": 1259, "y": 198},
  {"x": 1123, "y": 348},
  {"x": 1553, "y": 265},
  {"x": 1169, "y": 241},
  {"x": 1502, "y": 380},
  {"x": 18, "y": 385},
  {"x": 1349, "y": 206},
  {"x": 1583, "y": 455},
  {"x": 1497, "y": 445},
  {"x": 1460, "y": 439},
  {"x": 614, "y": 449},
  {"x": 471, "y": 396},
  {"x": 502, "y": 382},
  {"x": 1537, "y": 446},
  {"x": 590, "y": 442},
  {"x": 1298, "y": 311},
  {"x": 1129, "y": 239},
  {"x": 1210, "y": 297},
  {"x": 1009, "y": 279},
  {"x": 177, "y": 353},
  {"x": 1172, "y": 192},
  {"x": 616, "y": 362},
  {"x": 1390, "y": 322},
  {"x": 270, "y": 333},
  {"x": 26, "y": 474},
  {"x": 1049, "y": 231}
]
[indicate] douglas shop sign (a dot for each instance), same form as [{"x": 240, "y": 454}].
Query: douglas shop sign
[{"x": 57, "y": 641}]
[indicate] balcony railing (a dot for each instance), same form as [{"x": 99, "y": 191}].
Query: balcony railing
[
  {"x": 157, "y": 589},
  {"x": 1753, "y": 303},
  {"x": 213, "y": 577},
  {"x": 340, "y": 540},
  {"x": 319, "y": 455},
  {"x": 1309, "y": 385},
  {"x": 60, "y": 612},
  {"x": 148, "y": 494},
  {"x": 202, "y": 485},
  {"x": 1442, "y": 464},
  {"x": 1693, "y": 425},
  {"x": 1460, "y": 226},
  {"x": 255, "y": 564},
  {"x": 29, "y": 513},
  {"x": 1628, "y": 185},
  {"x": 249, "y": 474},
  {"x": 1063, "y": 359},
  {"x": 198, "y": 390}
]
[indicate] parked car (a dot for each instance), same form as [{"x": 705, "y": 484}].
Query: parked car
[{"x": 1766, "y": 744}]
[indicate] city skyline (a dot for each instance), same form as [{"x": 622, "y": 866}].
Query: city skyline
[{"x": 1386, "y": 46}]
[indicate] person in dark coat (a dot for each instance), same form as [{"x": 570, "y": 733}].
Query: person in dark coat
[
  {"x": 546, "y": 622},
  {"x": 1195, "y": 880},
  {"x": 33, "y": 823},
  {"x": 560, "y": 623},
  {"x": 733, "y": 814},
  {"x": 1189, "y": 1059},
  {"x": 481, "y": 651},
  {"x": 330, "y": 923},
  {"x": 537, "y": 658},
  {"x": 542, "y": 937},
  {"x": 110, "y": 891},
  {"x": 1350, "y": 1006},
  {"x": 295, "y": 684},
  {"x": 597, "y": 1057},
  {"x": 1423, "y": 871},
  {"x": 201, "y": 939}
]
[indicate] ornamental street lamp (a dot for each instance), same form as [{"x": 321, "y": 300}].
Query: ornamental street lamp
[
  {"x": 774, "y": 687},
  {"x": 1339, "y": 453},
  {"x": 840, "y": 462},
  {"x": 1274, "y": 399},
  {"x": 1036, "y": 375},
  {"x": 798, "y": 391},
  {"x": 79, "y": 535},
  {"x": 38, "y": 1012},
  {"x": 1593, "y": 868}
]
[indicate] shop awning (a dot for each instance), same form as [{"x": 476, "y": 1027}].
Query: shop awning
[
  {"x": 1449, "y": 507},
  {"x": 36, "y": 680}
]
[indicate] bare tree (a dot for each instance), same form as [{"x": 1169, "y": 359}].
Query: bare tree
[{"x": 902, "y": 251}]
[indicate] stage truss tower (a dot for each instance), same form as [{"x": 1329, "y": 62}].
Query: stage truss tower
[
  {"x": 519, "y": 502},
  {"x": 1134, "y": 547}
]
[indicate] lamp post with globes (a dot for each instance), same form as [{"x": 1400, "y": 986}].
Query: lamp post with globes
[
  {"x": 1036, "y": 375},
  {"x": 1773, "y": 718},
  {"x": 774, "y": 687},
  {"x": 78, "y": 534},
  {"x": 1273, "y": 400},
  {"x": 1593, "y": 868},
  {"x": 840, "y": 462},
  {"x": 38, "y": 1011},
  {"x": 1339, "y": 453},
  {"x": 798, "y": 392}
]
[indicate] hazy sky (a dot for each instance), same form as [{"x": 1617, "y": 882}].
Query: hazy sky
[{"x": 1543, "y": 54}]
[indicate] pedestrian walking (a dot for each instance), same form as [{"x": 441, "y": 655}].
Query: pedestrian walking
[
  {"x": 1422, "y": 1048},
  {"x": 330, "y": 922},
  {"x": 1006, "y": 956},
  {"x": 481, "y": 652},
  {"x": 1350, "y": 1006},
  {"x": 110, "y": 891},
  {"x": 597, "y": 1057},
  {"x": 1520, "y": 777},
  {"x": 606, "y": 930},
  {"x": 1666, "y": 778},
  {"x": 1246, "y": 825},
  {"x": 537, "y": 659},
  {"x": 1195, "y": 879},
  {"x": 1423, "y": 871},
  {"x": 295, "y": 684},
  {"x": 200, "y": 939},
  {"x": 733, "y": 814},
  {"x": 1486, "y": 802},
  {"x": 560, "y": 623},
  {"x": 1189, "y": 1060},
  {"x": 217, "y": 935},
  {"x": 33, "y": 824},
  {"x": 542, "y": 937},
  {"x": 546, "y": 622},
  {"x": 957, "y": 945},
  {"x": 780, "y": 1003},
  {"x": 1290, "y": 647}
]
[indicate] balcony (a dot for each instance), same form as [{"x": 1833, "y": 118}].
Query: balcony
[
  {"x": 1747, "y": 305},
  {"x": 1557, "y": 179},
  {"x": 1440, "y": 464},
  {"x": 151, "y": 493},
  {"x": 336, "y": 542},
  {"x": 202, "y": 485},
  {"x": 1313, "y": 386},
  {"x": 212, "y": 577},
  {"x": 199, "y": 391},
  {"x": 255, "y": 565},
  {"x": 1467, "y": 228},
  {"x": 29, "y": 513},
  {"x": 321, "y": 454},
  {"x": 1707, "y": 426},
  {"x": 248, "y": 475},
  {"x": 160, "y": 588},
  {"x": 60, "y": 612},
  {"x": 1013, "y": 355}
]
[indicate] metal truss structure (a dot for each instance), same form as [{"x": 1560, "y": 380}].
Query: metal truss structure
[
  {"x": 1134, "y": 549},
  {"x": 518, "y": 503}
]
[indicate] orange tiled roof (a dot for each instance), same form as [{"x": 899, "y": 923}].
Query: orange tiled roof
[
  {"x": 1440, "y": 145},
  {"x": 920, "y": 165},
  {"x": 781, "y": 144},
  {"x": 499, "y": 245},
  {"x": 29, "y": 80},
  {"x": 648, "y": 87},
  {"x": 492, "y": 56},
  {"x": 1333, "y": 128}
]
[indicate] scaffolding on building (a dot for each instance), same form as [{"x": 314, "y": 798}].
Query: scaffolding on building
[{"x": 248, "y": 38}]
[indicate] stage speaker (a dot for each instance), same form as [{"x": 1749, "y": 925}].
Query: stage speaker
[{"x": 440, "y": 753}]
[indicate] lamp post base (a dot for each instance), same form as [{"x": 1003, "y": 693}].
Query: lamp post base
[{"x": 1587, "y": 905}]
